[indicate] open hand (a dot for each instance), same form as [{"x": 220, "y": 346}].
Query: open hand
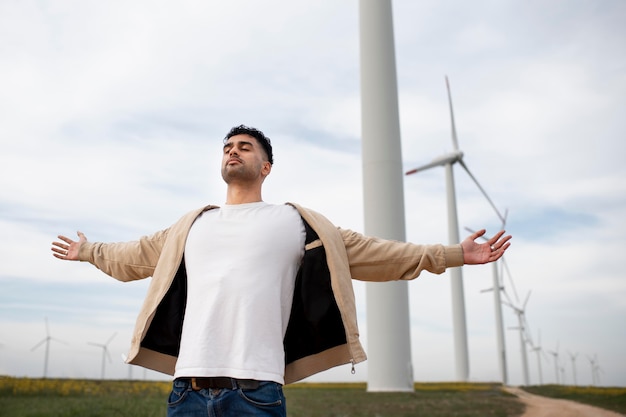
[
  {"x": 482, "y": 253},
  {"x": 68, "y": 248}
]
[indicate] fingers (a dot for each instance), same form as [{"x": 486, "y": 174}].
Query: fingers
[
  {"x": 495, "y": 255},
  {"x": 478, "y": 234},
  {"x": 59, "y": 254},
  {"x": 495, "y": 237},
  {"x": 60, "y": 245},
  {"x": 66, "y": 248},
  {"x": 59, "y": 251},
  {"x": 65, "y": 239},
  {"x": 499, "y": 248},
  {"x": 497, "y": 241}
]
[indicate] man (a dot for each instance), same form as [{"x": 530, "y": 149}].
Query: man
[{"x": 249, "y": 296}]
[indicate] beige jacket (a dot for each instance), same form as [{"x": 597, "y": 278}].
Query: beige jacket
[{"x": 322, "y": 331}]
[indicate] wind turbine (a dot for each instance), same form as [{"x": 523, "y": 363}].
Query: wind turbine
[
  {"x": 46, "y": 340},
  {"x": 498, "y": 287},
  {"x": 592, "y": 362},
  {"x": 105, "y": 352},
  {"x": 539, "y": 351},
  {"x": 555, "y": 353},
  {"x": 521, "y": 320},
  {"x": 595, "y": 369},
  {"x": 456, "y": 276},
  {"x": 573, "y": 358}
]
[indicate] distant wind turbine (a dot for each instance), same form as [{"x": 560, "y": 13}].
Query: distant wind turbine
[
  {"x": 573, "y": 359},
  {"x": 555, "y": 353},
  {"x": 456, "y": 276},
  {"x": 595, "y": 369},
  {"x": 522, "y": 327},
  {"x": 46, "y": 340},
  {"x": 105, "y": 352},
  {"x": 539, "y": 351}
]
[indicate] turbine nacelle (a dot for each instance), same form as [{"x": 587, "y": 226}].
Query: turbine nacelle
[{"x": 449, "y": 158}]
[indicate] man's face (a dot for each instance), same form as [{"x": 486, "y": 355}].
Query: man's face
[{"x": 244, "y": 160}]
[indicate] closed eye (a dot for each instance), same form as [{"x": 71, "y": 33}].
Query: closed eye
[{"x": 242, "y": 146}]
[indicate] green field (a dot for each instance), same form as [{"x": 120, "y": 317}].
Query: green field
[{"x": 25, "y": 397}]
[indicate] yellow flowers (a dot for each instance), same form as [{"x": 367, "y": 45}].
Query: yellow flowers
[
  {"x": 67, "y": 387},
  {"x": 455, "y": 386},
  {"x": 611, "y": 391}
]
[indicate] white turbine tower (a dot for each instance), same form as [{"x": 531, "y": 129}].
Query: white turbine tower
[
  {"x": 105, "y": 352},
  {"x": 521, "y": 320},
  {"x": 389, "y": 342},
  {"x": 573, "y": 357},
  {"x": 456, "y": 276},
  {"x": 47, "y": 341},
  {"x": 555, "y": 354}
]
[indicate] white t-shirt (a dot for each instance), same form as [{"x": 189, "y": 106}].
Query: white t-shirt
[{"x": 241, "y": 263}]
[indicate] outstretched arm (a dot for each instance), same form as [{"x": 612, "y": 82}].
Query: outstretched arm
[
  {"x": 68, "y": 248},
  {"x": 482, "y": 253}
]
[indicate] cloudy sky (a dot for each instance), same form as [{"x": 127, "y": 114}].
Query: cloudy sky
[{"x": 112, "y": 115}]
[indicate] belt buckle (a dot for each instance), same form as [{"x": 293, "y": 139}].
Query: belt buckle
[{"x": 194, "y": 385}]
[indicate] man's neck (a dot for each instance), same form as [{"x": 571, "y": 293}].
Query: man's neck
[{"x": 237, "y": 195}]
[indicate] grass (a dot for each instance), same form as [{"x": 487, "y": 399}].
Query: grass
[
  {"x": 25, "y": 397},
  {"x": 612, "y": 398},
  {"x": 428, "y": 400}
]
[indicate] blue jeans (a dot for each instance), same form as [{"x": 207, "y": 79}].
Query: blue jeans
[{"x": 267, "y": 400}]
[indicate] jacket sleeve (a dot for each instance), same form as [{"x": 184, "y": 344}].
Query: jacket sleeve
[
  {"x": 127, "y": 261},
  {"x": 374, "y": 259}
]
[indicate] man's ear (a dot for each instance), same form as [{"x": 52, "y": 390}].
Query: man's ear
[{"x": 266, "y": 169}]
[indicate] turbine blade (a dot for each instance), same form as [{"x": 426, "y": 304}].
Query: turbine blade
[
  {"x": 526, "y": 300},
  {"x": 110, "y": 338},
  {"x": 508, "y": 272},
  {"x": 506, "y": 303},
  {"x": 58, "y": 340},
  {"x": 39, "y": 344},
  {"x": 506, "y": 295},
  {"x": 455, "y": 141},
  {"x": 482, "y": 190}
]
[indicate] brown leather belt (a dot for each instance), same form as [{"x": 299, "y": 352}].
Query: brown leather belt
[{"x": 219, "y": 382}]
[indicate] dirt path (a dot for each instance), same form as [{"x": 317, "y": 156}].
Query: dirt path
[{"x": 537, "y": 406}]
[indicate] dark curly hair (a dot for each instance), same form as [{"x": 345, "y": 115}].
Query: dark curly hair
[{"x": 255, "y": 133}]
